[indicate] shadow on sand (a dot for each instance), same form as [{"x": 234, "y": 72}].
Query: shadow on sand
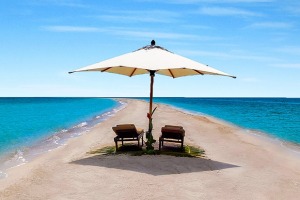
[{"x": 155, "y": 165}]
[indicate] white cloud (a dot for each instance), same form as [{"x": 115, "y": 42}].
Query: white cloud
[
  {"x": 207, "y": 1},
  {"x": 72, "y": 4},
  {"x": 231, "y": 55},
  {"x": 287, "y": 65},
  {"x": 71, "y": 29},
  {"x": 141, "y": 16},
  {"x": 191, "y": 26},
  {"x": 250, "y": 80},
  {"x": 129, "y": 32},
  {"x": 293, "y": 50},
  {"x": 163, "y": 35},
  {"x": 221, "y": 11},
  {"x": 48, "y": 90},
  {"x": 65, "y": 3},
  {"x": 275, "y": 25},
  {"x": 150, "y": 34},
  {"x": 294, "y": 9}
]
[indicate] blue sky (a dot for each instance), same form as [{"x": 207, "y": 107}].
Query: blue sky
[{"x": 256, "y": 40}]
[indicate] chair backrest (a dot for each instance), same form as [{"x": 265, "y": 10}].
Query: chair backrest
[
  {"x": 172, "y": 126},
  {"x": 125, "y": 130},
  {"x": 175, "y": 132}
]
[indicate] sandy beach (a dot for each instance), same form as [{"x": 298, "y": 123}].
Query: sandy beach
[{"x": 236, "y": 165}]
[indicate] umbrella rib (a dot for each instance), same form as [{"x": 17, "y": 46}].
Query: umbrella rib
[
  {"x": 133, "y": 72},
  {"x": 105, "y": 69},
  {"x": 198, "y": 72},
  {"x": 171, "y": 73}
]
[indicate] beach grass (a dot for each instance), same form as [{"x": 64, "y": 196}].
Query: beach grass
[{"x": 133, "y": 150}]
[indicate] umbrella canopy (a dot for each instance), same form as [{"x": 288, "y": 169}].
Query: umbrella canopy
[{"x": 154, "y": 60}]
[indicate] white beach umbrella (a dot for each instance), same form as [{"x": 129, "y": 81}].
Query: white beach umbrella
[{"x": 152, "y": 59}]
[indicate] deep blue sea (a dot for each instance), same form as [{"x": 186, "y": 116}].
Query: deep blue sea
[
  {"x": 278, "y": 117},
  {"x": 46, "y": 122}
]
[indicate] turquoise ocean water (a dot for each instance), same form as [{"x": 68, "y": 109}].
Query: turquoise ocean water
[
  {"x": 45, "y": 123},
  {"x": 30, "y": 126},
  {"x": 277, "y": 117}
]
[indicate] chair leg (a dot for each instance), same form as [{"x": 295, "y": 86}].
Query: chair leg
[
  {"x": 122, "y": 142},
  {"x": 138, "y": 143},
  {"x": 116, "y": 142},
  {"x": 159, "y": 146},
  {"x": 182, "y": 144},
  {"x": 142, "y": 140}
]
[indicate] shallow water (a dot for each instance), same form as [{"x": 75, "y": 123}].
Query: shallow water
[
  {"x": 277, "y": 117},
  {"x": 32, "y": 126}
]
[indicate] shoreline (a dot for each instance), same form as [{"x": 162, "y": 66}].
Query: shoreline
[
  {"x": 57, "y": 139},
  {"x": 277, "y": 118},
  {"x": 293, "y": 147},
  {"x": 236, "y": 165},
  {"x": 60, "y": 138}
]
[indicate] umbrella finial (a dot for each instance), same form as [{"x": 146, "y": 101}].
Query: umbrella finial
[{"x": 153, "y": 43}]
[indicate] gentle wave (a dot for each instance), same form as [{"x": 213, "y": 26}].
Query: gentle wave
[
  {"x": 288, "y": 145},
  {"x": 56, "y": 140},
  {"x": 278, "y": 117},
  {"x": 81, "y": 125}
]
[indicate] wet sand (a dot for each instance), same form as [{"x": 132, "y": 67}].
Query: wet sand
[{"x": 236, "y": 165}]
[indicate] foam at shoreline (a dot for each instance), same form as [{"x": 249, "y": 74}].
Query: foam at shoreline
[
  {"x": 292, "y": 147},
  {"x": 60, "y": 138},
  {"x": 278, "y": 117},
  {"x": 235, "y": 166},
  {"x": 56, "y": 140}
]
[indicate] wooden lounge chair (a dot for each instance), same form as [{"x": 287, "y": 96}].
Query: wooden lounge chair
[
  {"x": 171, "y": 133},
  {"x": 128, "y": 132}
]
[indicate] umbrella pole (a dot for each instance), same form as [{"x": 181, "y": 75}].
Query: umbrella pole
[
  {"x": 149, "y": 135},
  {"x": 152, "y": 73}
]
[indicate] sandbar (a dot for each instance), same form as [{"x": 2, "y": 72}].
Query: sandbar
[{"x": 236, "y": 165}]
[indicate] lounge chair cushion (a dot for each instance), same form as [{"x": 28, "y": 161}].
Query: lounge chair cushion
[
  {"x": 172, "y": 126},
  {"x": 172, "y": 132},
  {"x": 127, "y": 130},
  {"x": 128, "y": 127}
]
